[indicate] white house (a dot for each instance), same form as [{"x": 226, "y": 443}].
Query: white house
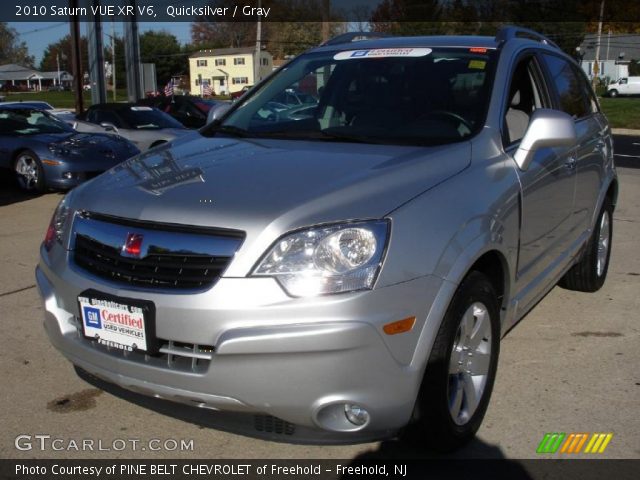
[{"x": 227, "y": 70}]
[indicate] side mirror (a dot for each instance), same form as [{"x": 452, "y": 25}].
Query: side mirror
[
  {"x": 216, "y": 113},
  {"x": 109, "y": 127},
  {"x": 547, "y": 128}
]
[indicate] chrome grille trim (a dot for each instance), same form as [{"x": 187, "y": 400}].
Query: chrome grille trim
[{"x": 169, "y": 259}]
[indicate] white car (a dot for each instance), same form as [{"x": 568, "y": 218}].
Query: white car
[
  {"x": 146, "y": 127},
  {"x": 624, "y": 86}
]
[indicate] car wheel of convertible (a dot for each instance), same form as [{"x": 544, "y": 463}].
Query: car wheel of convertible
[
  {"x": 461, "y": 370},
  {"x": 29, "y": 172}
]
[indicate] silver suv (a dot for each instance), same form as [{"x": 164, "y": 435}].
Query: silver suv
[{"x": 347, "y": 266}]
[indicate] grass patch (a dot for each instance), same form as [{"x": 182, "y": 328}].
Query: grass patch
[
  {"x": 61, "y": 99},
  {"x": 622, "y": 112}
]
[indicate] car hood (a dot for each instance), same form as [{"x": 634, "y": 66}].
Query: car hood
[
  {"x": 267, "y": 187},
  {"x": 91, "y": 145}
]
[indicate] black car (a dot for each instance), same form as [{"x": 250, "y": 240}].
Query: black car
[{"x": 189, "y": 110}]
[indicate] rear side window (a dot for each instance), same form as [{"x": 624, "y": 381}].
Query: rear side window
[{"x": 572, "y": 95}]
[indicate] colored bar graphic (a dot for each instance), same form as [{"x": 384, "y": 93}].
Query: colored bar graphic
[
  {"x": 598, "y": 442},
  {"x": 572, "y": 443},
  {"x": 550, "y": 443}
]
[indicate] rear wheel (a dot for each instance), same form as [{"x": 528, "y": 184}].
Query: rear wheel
[
  {"x": 459, "y": 378},
  {"x": 29, "y": 172},
  {"x": 589, "y": 274}
]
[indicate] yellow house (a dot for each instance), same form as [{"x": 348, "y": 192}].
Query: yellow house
[{"x": 227, "y": 70}]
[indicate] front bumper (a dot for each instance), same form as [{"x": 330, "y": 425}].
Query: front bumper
[{"x": 299, "y": 360}]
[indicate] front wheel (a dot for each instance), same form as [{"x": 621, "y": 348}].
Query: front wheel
[
  {"x": 613, "y": 93},
  {"x": 460, "y": 374}
]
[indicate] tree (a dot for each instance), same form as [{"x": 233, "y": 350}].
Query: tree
[
  {"x": 281, "y": 36},
  {"x": 62, "y": 47},
  {"x": 163, "y": 49},
  {"x": 11, "y": 49}
]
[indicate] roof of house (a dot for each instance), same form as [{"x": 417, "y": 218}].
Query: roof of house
[
  {"x": 220, "y": 52},
  {"x": 611, "y": 47},
  {"x": 11, "y": 71}
]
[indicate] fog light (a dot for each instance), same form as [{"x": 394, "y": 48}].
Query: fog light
[
  {"x": 356, "y": 414},
  {"x": 68, "y": 175}
]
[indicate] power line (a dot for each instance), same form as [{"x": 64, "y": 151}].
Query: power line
[{"x": 42, "y": 29}]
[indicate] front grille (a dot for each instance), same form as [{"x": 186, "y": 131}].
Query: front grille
[{"x": 166, "y": 270}]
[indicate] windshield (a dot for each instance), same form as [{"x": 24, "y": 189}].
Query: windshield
[
  {"x": 30, "y": 122},
  {"x": 148, "y": 118},
  {"x": 411, "y": 96}
]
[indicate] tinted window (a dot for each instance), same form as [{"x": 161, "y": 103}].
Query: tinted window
[
  {"x": 415, "y": 96},
  {"x": 571, "y": 93},
  {"x": 30, "y": 122},
  {"x": 139, "y": 118},
  {"x": 104, "y": 116}
]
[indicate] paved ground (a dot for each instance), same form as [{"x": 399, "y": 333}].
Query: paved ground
[{"x": 570, "y": 366}]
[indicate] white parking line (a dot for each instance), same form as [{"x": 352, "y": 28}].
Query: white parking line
[{"x": 622, "y": 155}]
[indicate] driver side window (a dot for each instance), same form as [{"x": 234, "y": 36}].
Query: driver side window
[{"x": 524, "y": 97}]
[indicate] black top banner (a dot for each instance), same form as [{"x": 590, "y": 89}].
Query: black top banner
[{"x": 376, "y": 11}]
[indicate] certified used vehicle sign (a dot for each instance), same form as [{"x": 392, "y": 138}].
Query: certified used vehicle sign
[
  {"x": 382, "y": 53},
  {"x": 114, "y": 324}
]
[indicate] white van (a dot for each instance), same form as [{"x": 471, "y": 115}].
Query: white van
[{"x": 624, "y": 86}]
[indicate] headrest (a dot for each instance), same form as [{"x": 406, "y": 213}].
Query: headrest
[{"x": 515, "y": 100}]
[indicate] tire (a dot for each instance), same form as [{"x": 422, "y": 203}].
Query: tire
[
  {"x": 29, "y": 172},
  {"x": 446, "y": 415},
  {"x": 613, "y": 93},
  {"x": 589, "y": 274}
]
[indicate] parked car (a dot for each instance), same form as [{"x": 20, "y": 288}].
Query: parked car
[
  {"x": 45, "y": 152},
  {"x": 30, "y": 104},
  {"x": 189, "y": 110},
  {"x": 352, "y": 272},
  {"x": 241, "y": 92},
  {"x": 146, "y": 127},
  {"x": 624, "y": 86}
]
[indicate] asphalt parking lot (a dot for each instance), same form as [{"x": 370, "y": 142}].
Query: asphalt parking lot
[{"x": 570, "y": 366}]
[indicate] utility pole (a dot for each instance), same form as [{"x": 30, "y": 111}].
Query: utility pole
[
  {"x": 76, "y": 62},
  {"x": 113, "y": 58},
  {"x": 596, "y": 63},
  {"x": 257, "y": 57},
  {"x": 326, "y": 5},
  {"x": 58, "y": 64}
]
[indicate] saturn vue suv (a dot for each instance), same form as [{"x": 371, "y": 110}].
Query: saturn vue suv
[{"x": 347, "y": 269}]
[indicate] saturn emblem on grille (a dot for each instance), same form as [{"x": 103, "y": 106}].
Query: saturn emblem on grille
[{"x": 132, "y": 245}]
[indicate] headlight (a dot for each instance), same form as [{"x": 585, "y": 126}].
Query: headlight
[
  {"x": 55, "y": 232},
  {"x": 329, "y": 259}
]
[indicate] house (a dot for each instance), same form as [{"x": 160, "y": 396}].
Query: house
[
  {"x": 616, "y": 52},
  {"x": 227, "y": 70},
  {"x": 29, "y": 79}
]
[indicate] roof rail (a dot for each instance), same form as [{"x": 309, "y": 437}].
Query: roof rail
[
  {"x": 353, "y": 37},
  {"x": 510, "y": 31}
]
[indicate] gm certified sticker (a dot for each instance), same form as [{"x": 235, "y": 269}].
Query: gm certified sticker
[{"x": 382, "y": 53}]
